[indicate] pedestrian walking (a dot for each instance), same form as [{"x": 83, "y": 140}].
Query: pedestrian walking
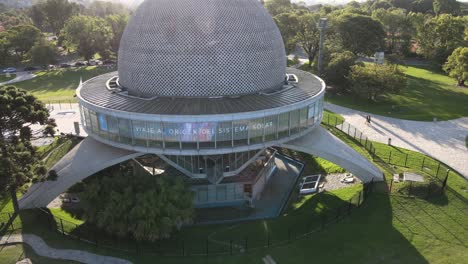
[{"x": 370, "y": 119}]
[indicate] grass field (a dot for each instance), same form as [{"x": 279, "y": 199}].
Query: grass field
[
  {"x": 386, "y": 229},
  {"x": 429, "y": 93},
  {"x": 12, "y": 254},
  {"x": 4, "y": 78},
  {"x": 60, "y": 84}
]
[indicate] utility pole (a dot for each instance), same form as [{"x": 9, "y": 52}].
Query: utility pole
[{"x": 322, "y": 26}]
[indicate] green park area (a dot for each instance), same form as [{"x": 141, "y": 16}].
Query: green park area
[
  {"x": 385, "y": 228},
  {"x": 5, "y": 78},
  {"x": 429, "y": 94},
  {"x": 60, "y": 85}
]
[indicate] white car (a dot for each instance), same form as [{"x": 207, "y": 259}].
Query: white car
[
  {"x": 309, "y": 184},
  {"x": 9, "y": 70}
]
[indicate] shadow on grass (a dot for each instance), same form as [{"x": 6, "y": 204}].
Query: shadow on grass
[{"x": 383, "y": 230}]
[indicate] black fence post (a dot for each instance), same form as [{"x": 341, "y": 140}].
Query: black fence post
[
  {"x": 444, "y": 183},
  {"x": 359, "y": 201},
  {"x": 230, "y": 246},
  {"x": 183, "y": 248},
  {"x": 422, "y": 164},
  {"x": 391, "y": 185},
  {"x": 350, "y": 205},
  {"x": 337, "y": 214},
  {"x": 207, "y": 247},
  {"x": 406, "y": 160},
  {"x": 245, "y": 245},
  {"x": 438, "y": 168},
  {"x": 10, "y": 219},
  {"x": 268, "y": 239},
  {"x": 410, "y": 187},
  {"x": 77, "y": 232},
  {"x": 360, "y": 139},
  {"x": 61, "y": 224},
  {"x": 390, "y": 158},
  {"x": 289, "y": 234}
]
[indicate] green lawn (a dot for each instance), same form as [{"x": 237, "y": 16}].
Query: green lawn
[
  {"x": 52, "y": 86},
  {"x": 53, "y": 153},
  {"x": 429, "y": 93},
  {"x": 12, "y": 254},
  {"x": 4, "y": 78},
  {"x": 385, "y": 229}
]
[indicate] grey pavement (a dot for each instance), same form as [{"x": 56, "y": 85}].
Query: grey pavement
[
  {"x": 20, "y": 76},
  {"x": 442, "y": 140},
  {"x": 321, "y": 143},
  {"x": 87, "y": 158},
  {"x": 42, "y": 249},
  {"x": 65, "y": 115}
]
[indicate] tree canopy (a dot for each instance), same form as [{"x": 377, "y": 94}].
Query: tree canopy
[
  {"x": 140, "y": 205},
  {"x": 18, "y": 110},
  {"x": 457, "y": 65},
  {"x": 438, "y": 36},
  {"x": 360, "y": 34},
  {"x": 90, "y": 35},
  {"x": 373, "y": 80}
]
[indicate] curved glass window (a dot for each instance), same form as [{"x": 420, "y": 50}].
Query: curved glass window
[{"x": 201, "y": 135}]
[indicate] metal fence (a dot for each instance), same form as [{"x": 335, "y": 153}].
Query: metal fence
[
  {"x": 235, "y": 243},
  {"x": 435, "y": 172}
]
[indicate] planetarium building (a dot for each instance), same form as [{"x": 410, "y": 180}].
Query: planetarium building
[{"x": 203, "y": 85}]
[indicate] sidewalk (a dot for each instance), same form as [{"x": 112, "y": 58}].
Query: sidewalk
[
  {"x": 42, "y": 249},
  {"x": 442, "y": 140}
]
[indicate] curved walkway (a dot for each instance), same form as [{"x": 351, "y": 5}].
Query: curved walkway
[
  {"x": 20, "y": 76},
  {"x": 442, "y": 140},
  {"x": 42, "y": 249}
]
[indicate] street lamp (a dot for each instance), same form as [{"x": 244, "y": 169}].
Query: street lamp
[{"x": 322, "y": 26}]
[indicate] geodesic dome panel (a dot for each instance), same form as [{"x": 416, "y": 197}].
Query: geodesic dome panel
[{"x": 193, "y": 48}]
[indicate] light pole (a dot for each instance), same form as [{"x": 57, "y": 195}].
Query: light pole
[{"x": 322, "y": 26}]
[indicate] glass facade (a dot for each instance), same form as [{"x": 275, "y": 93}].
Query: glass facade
[{"x": 201, "y": 135}]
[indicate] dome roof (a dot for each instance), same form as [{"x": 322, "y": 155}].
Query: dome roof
[{"x": 193, "y": 48}]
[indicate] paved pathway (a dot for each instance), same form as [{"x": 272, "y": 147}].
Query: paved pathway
[
  {"x": 20, "y": 76},
  {"x": 42, "y": 249},
  {"x": 443, "y": 140}
]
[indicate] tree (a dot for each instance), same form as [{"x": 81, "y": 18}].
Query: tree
[
  {"x": 338, "y": 67},
  {"x": 276, "y": 7},
  {"x": 360, "y": 34},
  {"x": 308, "y": 34},
  {"x": 398, "y": 28},
  {"x": 43, "y": 53},
  {"x": 90, "y": 35},
  {"x": 117, "y": 24},
  {"x": 36, "y": 13},
  {"x": 446, "y": 7},
  {"x": 287, "y": 23},
  {"x": 437, "y": 37},
  {"x": 103, "y": 8},
  {"x": 372, "y": 81},
  {"x": 57, "y": 12},
  {"x": 423, "y": 6},
  {"x": 18, "y": 110},
  {"x": 22, "y": 38},
  {"x": 141, "y": 205},
  {"x": 457, "y": 65}
]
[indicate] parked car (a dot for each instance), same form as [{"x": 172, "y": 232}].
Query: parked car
[
  {"x": 9, "y": 70},
  {"x": 65, "y": 65},
  {"x": 31, "y": 68},
  {"x": 91, "y": 63},
  {"x": 80, "y": 63},
  {"x": 108, "y": 62}
]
